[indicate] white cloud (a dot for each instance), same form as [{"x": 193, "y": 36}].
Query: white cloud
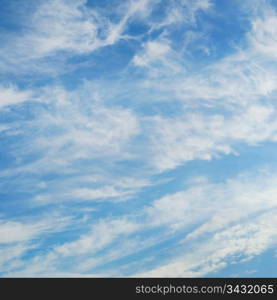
[
  {"x": 199, "y": 136},
  {"x": 19, "y": 237},
  {"x": 215, "y": 204},
  {"x": 264, "y": 32},
  {"x": 11, "y": 231},
  {"x": 77, "y": 188},
  {"x": 238, "y": 79},
  {"x": 63, "y": 26},
  {"x": 101, "y": 235},
  {"x": 79, "y": 194},
  {"x": 15, "y": 231},
  {"x": 11, "y": 95},
  {"x": 229, "y": 101},
  {"x": 235, "y": 244},
  {"x": 233, "y": 221},
  {"x": 232, "y": 244},
  {"x": 58, "y": 29},
  {"x": 180, "y": 12},
  {"x": 198, "y": 5},
  {"x": 10, "y": 255},
  {"x": 67, "y": 26},
  {"x": 139, "y": 9},
  {"x": 96, "y": 131},
  {"x": 153, "y": 51},
  {"x": 70, "y": 127}
]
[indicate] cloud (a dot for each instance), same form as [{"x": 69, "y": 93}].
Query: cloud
[
  {"x": 78, "y": 139},
  {"x": 133, "y": 9},
  {"x": 236, "y": 222},
  {"x": 11, "y": 232},
  {"x": 220, "y": 223},
  {"x": 11, "y": 95},
  {"x": 248, "y": 73},
  {"x": 199, "y": 136},
  {"x": 58, "y": 30},
  {"x": 180, "y": 12},
  {"x": 102, "y": 234},
  {"x": 121, "y": 190},
  {"x": 263, "y": 35},
  {"x": 153, "y": 51},
  {"x": 63, "y": 26},
  {"x": 235, "y": 244},
  {"x": 54, "y": 26},
  {"x": 18, "y": 237},
  {"x": 221, "y": 204},
  {"x": 10, "y": 256},
  {"x": 15, "y": 231},
  {"x": 66, "y": 131},
  {"x": 227, "y": 102}
]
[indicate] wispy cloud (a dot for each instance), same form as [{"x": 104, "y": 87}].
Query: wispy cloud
[
  {"x": 11, "y": 95},
  {"x": 232, "y": 219}
]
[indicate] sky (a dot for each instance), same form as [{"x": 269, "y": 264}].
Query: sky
[{"x": 138, "y": 138}]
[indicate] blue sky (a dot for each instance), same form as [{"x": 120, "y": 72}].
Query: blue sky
[{"x": 138, "y": 138}]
